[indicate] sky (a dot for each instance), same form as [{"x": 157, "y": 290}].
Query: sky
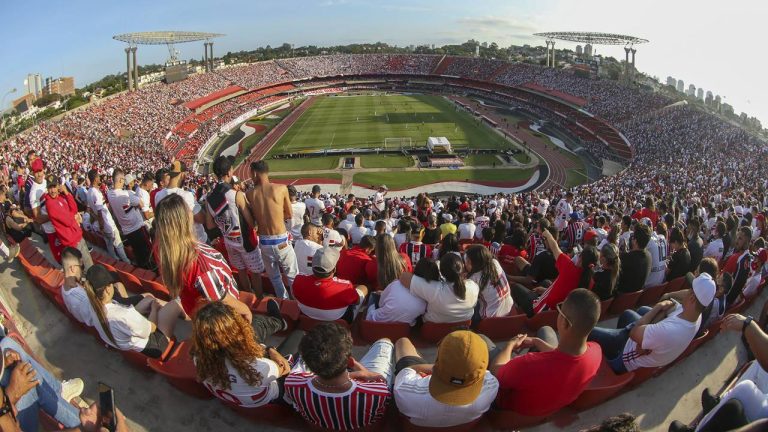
[{"x": 712, "y": 44}]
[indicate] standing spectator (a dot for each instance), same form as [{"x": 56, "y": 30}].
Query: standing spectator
[
  {"x": 455, "y": 390},
  {"x": 298, "y": 210},
  {"x": 635, "y": 264},
  {"x": 494, "y": 299},
  {"x": 62, "y": 213},
  {"x": 37, "y": 188},
  {"x": 378, "y": 199},
  {"x": 228, "y": 209},
  {"x": 161, "y": 178},
  {"x": 526, "y": 381},
  {"x": 270, "y": 207},
  {"x": 562, "y": 211},
  {"x": 315, "y": 206},
  {"x": 176, "y": 176},
  {"x": 143, "y": 191},
  {"x": 324, "y": 297},
  {"x": 310, "y": 241},
  {"x": 101, "y": 214},
  {"x": 126, "y": 206},
  {"x": 354, "y": 393}
]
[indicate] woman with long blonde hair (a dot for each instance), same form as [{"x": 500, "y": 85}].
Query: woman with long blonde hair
[
  {"x": 193, "y": 272},
  {"x": 232, "y": 363},
  {"x": 388, "y": 263}
]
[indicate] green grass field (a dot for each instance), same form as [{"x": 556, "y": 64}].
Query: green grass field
[
  {"x": 481, "y": 160},
  {"x": 365, "y": 122},
  {"x": 386, "y": 161},
  {"x": 304, "y": 164},
  {"x": 400, "y": 180}
]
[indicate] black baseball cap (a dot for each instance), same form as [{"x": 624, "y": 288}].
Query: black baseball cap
[{"x": 98, "y": 276}]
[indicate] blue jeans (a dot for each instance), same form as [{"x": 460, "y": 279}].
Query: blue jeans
[
  {"x": 45, "y": 396},
  {"x": 275, "y": 259},
  {"x": 612, "y": 341}
]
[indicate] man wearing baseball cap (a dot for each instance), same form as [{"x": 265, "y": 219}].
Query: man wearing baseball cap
[
  {"x": 455, "y": 390},
  {"x": 654, "y": 337},
  {"x": 324, "y": 297}
]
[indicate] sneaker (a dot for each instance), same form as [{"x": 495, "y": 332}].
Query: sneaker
[
  {"x": 273, "y": 310},
  {"x": 708, "y": 401},
  {"x": 71, "y": 389},
  {"x": 13, "y": 252},
  {"x": 677, "y": 426}
]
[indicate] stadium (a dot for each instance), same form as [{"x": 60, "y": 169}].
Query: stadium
[{"x": 522, "y": 167}]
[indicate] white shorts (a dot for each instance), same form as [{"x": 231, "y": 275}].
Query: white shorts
[{"x": 242, "y": 260}]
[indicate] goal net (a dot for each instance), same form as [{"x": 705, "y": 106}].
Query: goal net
[{"x": 401, "y": 143}]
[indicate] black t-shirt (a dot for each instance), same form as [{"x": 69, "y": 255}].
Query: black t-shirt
[
  {"x": 602, "y": 286},
  {"x": 431, "y": 236},
  {"x": 543, "y": 267},
  {"x": 679, "y": 264},
  {"x": 635, "y": 266},
  {"x": 696, "y": 249}
]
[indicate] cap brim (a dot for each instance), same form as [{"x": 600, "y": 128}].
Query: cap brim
[{"x": 453, "y": 395}]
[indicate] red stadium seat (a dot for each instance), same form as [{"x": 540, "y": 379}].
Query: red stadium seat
[
  {"x": 541, "y": 319},
  {"x": 642, "y": 375},
  {"x": 623, "y": 302},
  {"x": 676, "y": 284},
  {"x": 694, "y": 345},
  {"x": 602, "y": 387},
  {"x": 156, "y": 288},
  {"x": 737, "y": 306},
  {"x": 434, "y": 332},
  {"x": 651, "y": 295},
  {"x": 372, "y": 331},
  {"x": 501, "y": 328},
  {"x": 306, "y": 323},
  {"x": 180, "y": 371}
]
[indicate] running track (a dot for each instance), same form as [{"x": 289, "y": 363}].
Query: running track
[{"x": 265, "y": 145}]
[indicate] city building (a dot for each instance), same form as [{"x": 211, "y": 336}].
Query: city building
[
  {"x": 691, "y": 90},
  {"x": 34, "y": 85},
  {"x": 579, "y": 50},
  {"x": 23, "y": 103},
  {"x": 671, "y": 81},
  {"x": 63, "y": 86},
  {"x": 588, "y": 50},
  {"x": 700, "y": 93},
  {"x": 709, "y": 99},
  {"x": 681, "y": 86}
]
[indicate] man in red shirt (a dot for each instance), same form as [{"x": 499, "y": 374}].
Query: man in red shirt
[
  {"x": 324, "y": 297},
  {"x": 352, "y": 262},
  {"x": 649, "y": 211},
  {"x": 61, "y": 209},
  {"x": 526, "y": 382}
]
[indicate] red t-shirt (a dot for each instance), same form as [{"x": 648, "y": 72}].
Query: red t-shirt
[
  {"x": 372, "y": 271},
  {"x": 326, "y": 294},
  {"x": 732, "y": 264},
  {"x": 646, "y": 213},
  {"x": 567, "y": 281},
  {"x": 152, "y": 195},
  {"x": 509, "y": 252},
  {"x": 540, "y": 383},
  {"x": 351, "y": 266},
  {"x": 209, "y": 279}
]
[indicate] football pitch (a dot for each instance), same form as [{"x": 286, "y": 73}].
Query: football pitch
[{"x": 365, "y": 121}]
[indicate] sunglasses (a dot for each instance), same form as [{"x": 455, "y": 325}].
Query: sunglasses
[{"x": 560, "y": 311}]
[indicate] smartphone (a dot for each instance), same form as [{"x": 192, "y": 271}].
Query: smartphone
[{"x": 107, "y": 407}]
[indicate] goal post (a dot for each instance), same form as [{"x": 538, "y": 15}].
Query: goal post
[{"x": 398, "y": 143}]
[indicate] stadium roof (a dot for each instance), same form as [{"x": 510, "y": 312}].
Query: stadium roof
[
  {"x": 164, "y": 37},
  {"x": 594, "y": 38}
]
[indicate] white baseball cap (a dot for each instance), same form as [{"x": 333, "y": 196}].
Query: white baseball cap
[
  {"x": 447, "y": 217},
  {"x": 704, "y": 288}
]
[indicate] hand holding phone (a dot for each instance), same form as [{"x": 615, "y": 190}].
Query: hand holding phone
[{"x": 107, "y": 407}]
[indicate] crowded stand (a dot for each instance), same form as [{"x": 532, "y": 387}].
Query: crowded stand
[{"x": 674, "y": 246}]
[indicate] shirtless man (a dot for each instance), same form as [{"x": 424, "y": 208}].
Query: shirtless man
[{"x": 271, "y": 206}]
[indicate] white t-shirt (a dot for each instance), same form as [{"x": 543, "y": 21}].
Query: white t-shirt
[
  {"x": 144, "y": 196},
  {"x": 666, "y": 340},
  {"x": 189, "y": 199},
  {"x": 356, "y": 233},
  {"x": 397, "y": 304},
  {"x": 245, "y": 395},
  {"x": 378, "y": 201},
  {"x": 563, "y": 211},
  {"x": 466, "y": 231},
  {"x": 399, "y": 240},
  {"x": 657, "y": 247},
  {"x": 130, "y": 329},
  {"x": 125, "y": 206},
  {"x": 348, "y": 223},
  {"x": 494, "y": 301},
  {"x": 714, "y": 249},
  {"x": 414, "y": 401},
  {"x": 442, "y": 304},
  {"x": 77, "y": 303},
  {"x": 481, "y": 223},
  {"x": 96, "y": 204},
  {"x": 294, "y": 224},
  {"x": 315, "y": 207},
  {"x": 542, "y": 206},
  {"x": 36, "y": 193},
  {"x": 305, "y": 251}
]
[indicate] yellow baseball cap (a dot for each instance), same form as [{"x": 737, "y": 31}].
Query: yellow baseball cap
[{"x": 459, "y": 371}]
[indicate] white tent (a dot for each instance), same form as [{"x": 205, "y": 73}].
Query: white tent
[{"x": 438, "y": 144}]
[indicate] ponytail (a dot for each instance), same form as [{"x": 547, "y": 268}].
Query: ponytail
[
  {"x": 588, "y": 262},
  {"x": 98, "y": 307},
  {"x": 451, "y": 268}
]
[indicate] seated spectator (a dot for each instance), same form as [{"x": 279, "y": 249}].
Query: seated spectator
[
  {"x": 657, "y": 249},
  {"x": 570, "y": 276},
  {"x": 192, "y": 271},
  {"x": 119, "y": 320},
  {"x": 451, "y": 299},
  {"x": 396, "y": 303},
  {"x": 636, "y": 263},
  {"x": 716, "y": 309},
  {"x": 695, "y": 243},
  {"x": 654, "y": 337},
  {"x": 757, "y": 273},
  {"x": 233, "y": 363},
  {"x": 680, "y": 260},
  {"x": 72, "y": 292},
  {"x": 449, "y": 244},
  {"x": 739, "y": 265},
  {"x": 352, "y": 262},
  {"x": 324, "y": 297},
  {"x": 387, "y": 264},
  {"x": 448, "y": 226},
  {"x": 305, "y": 248},
  {"x": 328, "y": 375},
  {"x": 606, "y": 277},
  {"x": 358, "y": 231},
  {"x": 494, "y": 299},
  {"x": 716, "y": 248},
  {"x": 415, "y": 249},
  {"x": 456, "y": 389},
  {"x": 403, "y": 234},
  {"x": 467, "y": 228},
  {"x": 568, "y": 364},
  {"x": 542, "y": 264},
  {"x": 28, "y": 388}
]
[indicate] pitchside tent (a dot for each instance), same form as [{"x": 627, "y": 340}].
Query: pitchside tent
[{"x": 439, "y": 145}]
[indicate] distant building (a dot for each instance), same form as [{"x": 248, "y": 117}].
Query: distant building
[
  {"x": 23, "y": 103},
  {"x": 671, "y": 81},
  {"x": 588, "y": 50},
  {"x": 709, "y": 99},
  {"x": 718, "y": 100},
  {"x": 34, "y": 85},
  {"x": 681, "y": 86},
  {"x": 63, "y": 86},
  {"x": 579, "y": 50},
  {"x": 700, "y": 93},
  {"x": 691, "y": 90}
]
